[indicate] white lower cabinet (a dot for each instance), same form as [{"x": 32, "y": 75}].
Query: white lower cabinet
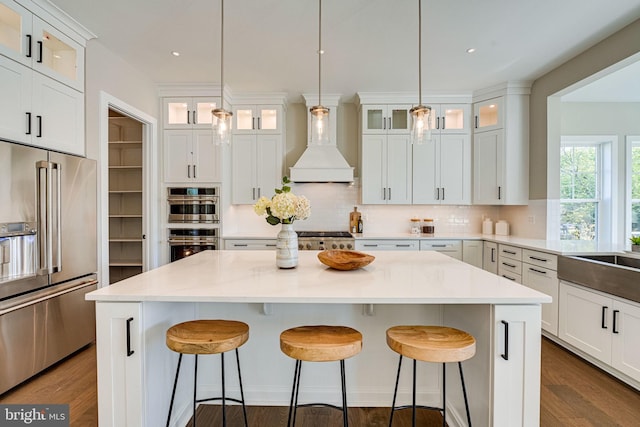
[
  {"x": 119, "y": 337},
  {"x": 490, "y": 257},
  {"x": 452, "y": 248},
  {"x": 249, "y": 244},
  {"x": 602, "y": 326},
  {"x": 472, "y": 252},
  {"x": 516, "y": 365},
  {"x": 546, "y": 281},
  {"x": 387, "y": 245}
]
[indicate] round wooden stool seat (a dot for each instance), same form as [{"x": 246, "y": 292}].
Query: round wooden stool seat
[
  {"x": 321, "y": 343},
  {"x": 207, "y": 336},
  {"x": 431, "y": 343}
]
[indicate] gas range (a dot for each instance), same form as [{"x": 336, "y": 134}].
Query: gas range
[{"x": 321, "y": 240}]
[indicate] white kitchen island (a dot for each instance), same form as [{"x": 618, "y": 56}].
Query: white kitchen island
[{"x": 135, "y": 368}]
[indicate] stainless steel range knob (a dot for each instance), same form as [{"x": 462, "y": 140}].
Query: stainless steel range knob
[
  {"x": 300, "y": 246},
  {"x": 334, "y": 246},
  {"x": 341, "y": 245},
  {"x": 308, "y": 245},
  {"x": 349, "y": 246}
]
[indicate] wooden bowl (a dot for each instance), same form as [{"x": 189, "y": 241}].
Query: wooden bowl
[{"x": 344, "y": 259}]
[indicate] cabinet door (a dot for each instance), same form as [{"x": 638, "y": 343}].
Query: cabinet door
[
  {"x": 57, "y": 55},
  {"x": 584, "y": 321},
  {"x": 399, "y": 174},
  {"x": 472, "y": 252},
  {"x": 488, "y": 115},
  {"x": 243, "y": 170},
  {"x": 119, "y": 358},
  {"x": 545, "y": 281},
  {"x": 398, "y": 120},
  {"x": 451, "y": 118},
  {"x": 15, "y": 28},
  {"x": 206, "y": 157},
  {"x": 625, "y": 346},
  {"x": 455, "y": 169},
  {"x": 374, "y": 170},
  {"x": 426, "y": 182},
  {"x": 178, "y": 156},
  {"x": 257, "y": 119},
  {"x": 490, "y": 257},
  {"x": 15, "y": 103},
  {"x": 58, "y": 116},
  {"x": 268, "y": 164},
  {"x": 516, "y": 366},
  {"x": 488, "y": 168},
  {"x": 374, "y": 119}
]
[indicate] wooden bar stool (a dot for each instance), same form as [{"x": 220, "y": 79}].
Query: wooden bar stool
[
  {"x": 431, "y": 344},
  {"x": 319, "y": 344},
  {"x": 199, "y": 337}
]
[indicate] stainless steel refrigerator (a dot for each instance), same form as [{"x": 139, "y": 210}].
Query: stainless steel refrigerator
[{"x": 48, "y": 258}]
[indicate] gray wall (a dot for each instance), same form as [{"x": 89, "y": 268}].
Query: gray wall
[{"x": 615, "y": 48}]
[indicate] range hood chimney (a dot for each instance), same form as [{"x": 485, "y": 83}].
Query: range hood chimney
[{"x": 322, "y": 163}]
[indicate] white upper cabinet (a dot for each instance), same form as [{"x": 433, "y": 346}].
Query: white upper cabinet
[
  {"x": 31, "y": 41},
  {"x": 189, "y": 113},
  {"x": 501, "y": 149},
  {"x": 191, "y": 156},
  {"x": 386, "y": 169},
  {"x": 249, "y": 119},
  {"x": 386, "y": 119}
]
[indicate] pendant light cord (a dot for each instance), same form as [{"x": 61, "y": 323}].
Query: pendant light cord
[
  {"x": 319, "y": 51},
  {"x": 419, "y": 52},
  {"x": 222, "y": 54}
]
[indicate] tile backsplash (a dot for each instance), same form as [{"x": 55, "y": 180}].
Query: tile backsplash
[{"x": 332, "y": 202}]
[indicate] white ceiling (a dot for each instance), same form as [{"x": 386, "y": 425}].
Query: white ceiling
[{"x": 370, "y": 45}]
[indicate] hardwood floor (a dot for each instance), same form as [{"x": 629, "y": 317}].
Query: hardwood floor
[{"x": 573, "y": 393}]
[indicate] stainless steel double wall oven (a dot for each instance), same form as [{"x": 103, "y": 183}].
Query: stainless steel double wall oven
[{"x": 199, "y": 207}]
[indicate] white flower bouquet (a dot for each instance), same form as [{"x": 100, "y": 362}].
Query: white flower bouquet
[{"x": 284, "y": 207}]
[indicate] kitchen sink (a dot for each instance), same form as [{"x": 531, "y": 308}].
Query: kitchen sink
[{"x": 614, "y": 274}]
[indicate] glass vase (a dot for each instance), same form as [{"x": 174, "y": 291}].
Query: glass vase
[{"x": 287, "y": 247}]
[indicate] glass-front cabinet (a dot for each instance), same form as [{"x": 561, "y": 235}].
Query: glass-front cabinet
[
  {"x": 488, "y": 115},
  {"x": 386, "y": 118},
  {"x": 257, "y": 119},
  {"x": 450, "y": 118},
  {"x": 181, "y": 113},
  {"x": 27, "y": 39}
]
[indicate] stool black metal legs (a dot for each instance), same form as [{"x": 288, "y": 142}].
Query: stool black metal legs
[
  {"x": 295, "y": 389},
  {"x": 413, "y": 406},
  {"x": 223, "y": 398}
]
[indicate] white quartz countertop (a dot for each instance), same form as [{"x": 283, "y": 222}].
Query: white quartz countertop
[{"x": 252, "y": 277}]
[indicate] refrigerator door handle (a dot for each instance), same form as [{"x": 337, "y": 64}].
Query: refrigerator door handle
[
  {"x": 56, "y": 237},
  {"x": 43, "y": 180}
]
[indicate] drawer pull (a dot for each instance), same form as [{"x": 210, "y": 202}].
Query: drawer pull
[
  {"x": 615, "y": 321},
  {"x": 539, "y": 259},
  {"x": 510, "y": 278},
  {"x": 508, "y": 252},
  {"x": 537, "y": 271},
  {"x": 438, "y": 246},
  {"x": 270, "y": 245},
  {"x": 603, "y": 324},
  {"x": 505, "y": 355},
  {"x": 403, "y": 245},
  {"x": 240, "y": 245},
  {"x": 370, "y": 245},
  {"x": 509, "y": 265}
]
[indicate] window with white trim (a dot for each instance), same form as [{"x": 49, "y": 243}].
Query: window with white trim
[
  {"x": 633, "y": 156},
  {"x": 585, "y": 187}
]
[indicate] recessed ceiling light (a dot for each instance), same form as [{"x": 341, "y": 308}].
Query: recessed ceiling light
[
  {"x": 471, "y": 50},
  {"x": 175, "y": 53}
]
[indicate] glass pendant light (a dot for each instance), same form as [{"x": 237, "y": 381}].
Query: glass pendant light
[
  {"x": 221, "y": 120},
  {"x": 420, "y": 114},
  {"x": 319, "y": 113}
]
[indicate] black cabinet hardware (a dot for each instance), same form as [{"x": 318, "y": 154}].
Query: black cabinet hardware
[
  {"x": 28, "y": 123},
  {"x": 129, "y": 351},
  {"x": 505, "y": 355},
  {"x": 615, "y": 321},
  {"x": 537, "y": 271},
  {"x": 604, "y": 317},
  {"x": 28, "y": 46}
]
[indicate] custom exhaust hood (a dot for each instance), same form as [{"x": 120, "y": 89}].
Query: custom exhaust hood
[{"x": 322, "y": 163}]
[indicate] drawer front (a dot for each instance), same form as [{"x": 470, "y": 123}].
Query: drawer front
[
  {"x": 509, "y": 265},
  {"x": 510, "y": 252},
  {"x": 387, "y": 245},
  {"x": 441, "y": 245},
  {"x": 541, "y": 259},
  {"x": 509, "y": 275},
  {"x": 249, "y": 245}
]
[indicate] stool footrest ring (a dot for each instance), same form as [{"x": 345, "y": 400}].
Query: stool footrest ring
[
  {"x": 209, "y": 399},
  {"x": 324, "y": 405}
]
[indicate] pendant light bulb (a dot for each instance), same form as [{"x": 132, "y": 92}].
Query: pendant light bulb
[
  {"x": 420, "y": 114},
  {"x": 221, "y": 118},
  {"x": 319, "y": 114}
]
